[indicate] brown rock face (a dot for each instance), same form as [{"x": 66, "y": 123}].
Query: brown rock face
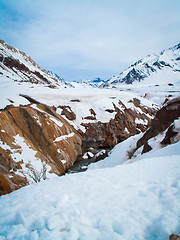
[
  {"x": 34, "y": 142},
  {"x": 169, "y": 135},
  {"x": 174, "y": 237},
  {"x": 124, "y": 125},
  {"x": 163, "y": 119},
  {"x": 67, "y": 111}
]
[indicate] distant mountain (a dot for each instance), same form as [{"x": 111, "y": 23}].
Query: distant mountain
[
  {"x": 55, "y": 76},
  {"x": 93, "y": 82},
  {"x": 16, "y": 65},
  {"x": 163, "y": 67}
]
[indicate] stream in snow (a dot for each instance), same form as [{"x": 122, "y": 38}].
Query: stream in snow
[{"x": 81, "y": 164}]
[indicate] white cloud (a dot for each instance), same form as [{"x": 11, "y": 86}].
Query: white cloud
[{"x": 92, "y": 35}]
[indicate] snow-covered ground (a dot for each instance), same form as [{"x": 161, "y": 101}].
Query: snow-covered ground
[
  {"x": 139, "y": 200},
  {"x": 156, "y": 93},
  {"x": 81, "y": 99}
]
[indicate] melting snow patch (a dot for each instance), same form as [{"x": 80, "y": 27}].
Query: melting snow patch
[
  {"x": 87, "y": 155},
  {"x": 141, "y": 121},
  {"x": 63, "y": 161},
  {"x": 177, "y": 125},
  {"x": 56, "y": 121},
  {"x": 64, "y": 137},
  {"x": 100, "y": 153},
  {"x": 37, "y": 119},
  {"x": 38, "y": 109},
  {"x": 126, "y": 130}
]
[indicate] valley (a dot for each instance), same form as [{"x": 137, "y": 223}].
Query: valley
[{"x": 119, "y": 138}]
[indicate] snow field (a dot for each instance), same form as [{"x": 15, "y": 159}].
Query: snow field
[{"x": 133, "y": 201}]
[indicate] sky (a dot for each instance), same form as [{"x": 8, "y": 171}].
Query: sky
[{"x": 85, "y": 39}]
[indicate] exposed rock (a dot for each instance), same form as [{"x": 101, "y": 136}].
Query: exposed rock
[
  {"x": 92, "y": 112},
  {"x": 90, "y": 118},
  {"x": 174, "y": 237},
  {"x": 162, "y": 121},
  {"x": 169, "y": 135},
  {"x": 146, "y": 148},
  {"x": 101, "y": 155},
  {"x": 31, "y": 136},
  {"x": 11, "y": 182},
  {"x": 67, "y": 111},
  {"x": 125, "y": 124},
  {"x": 74, "y": 100},
  {"x": 109, "y": 110}
]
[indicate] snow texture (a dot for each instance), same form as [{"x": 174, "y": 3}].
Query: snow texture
[{"x": 111, "y": 203}]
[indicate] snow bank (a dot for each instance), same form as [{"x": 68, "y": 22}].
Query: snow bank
[{"x": 132, "y": 201}]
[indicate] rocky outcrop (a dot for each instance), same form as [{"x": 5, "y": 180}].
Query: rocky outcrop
[
  {"x": 174, "y": 237},
  {"x": 164, "y": 130},
  {"x": 35, "y": 143},
  {"x": 162, "y": 121},
  {"x": 127, "y": 122},
  {"x": 67, "y": 111}
]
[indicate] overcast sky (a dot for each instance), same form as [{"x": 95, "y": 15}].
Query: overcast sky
[{"x": 84, "y": 39}]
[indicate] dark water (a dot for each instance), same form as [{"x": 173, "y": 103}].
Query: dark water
[{"x": 82, "y": 165}]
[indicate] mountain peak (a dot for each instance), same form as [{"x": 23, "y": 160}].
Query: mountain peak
[{"x": 157, "y": 65}]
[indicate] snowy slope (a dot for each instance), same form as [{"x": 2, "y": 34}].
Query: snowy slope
[
  {"x": 163, "y": 67},
  {"x": 155, "y": 77},
  {"x": 16, "y": 66},
  {"x": 112, "y": 203},
  {"x": 59, "y": 78},
  {"x": 161, "y": 139},
  {"x": 83, "y": 98}
]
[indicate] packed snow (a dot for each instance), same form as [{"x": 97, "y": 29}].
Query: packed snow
[
  {"x": 139, "y": 200},
  {"x": 88, "y": 98}
]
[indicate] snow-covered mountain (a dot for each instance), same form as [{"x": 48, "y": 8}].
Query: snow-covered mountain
[
  {"x": 84, "y": 117},
  {"x": 44, "y": 130},
  {"x": 93, "y": 82},
  {"x": 59, "y": 78},
  {"x": 15, "y": 65},
  {"x": 157, "y": 68}
]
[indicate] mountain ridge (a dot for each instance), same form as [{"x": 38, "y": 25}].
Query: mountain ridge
[
  {"x": 145, "y": 67},
  {"x": 16, "y": 65}
]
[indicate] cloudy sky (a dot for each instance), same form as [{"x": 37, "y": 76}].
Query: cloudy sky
[{"x": 84, "y": 39}]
